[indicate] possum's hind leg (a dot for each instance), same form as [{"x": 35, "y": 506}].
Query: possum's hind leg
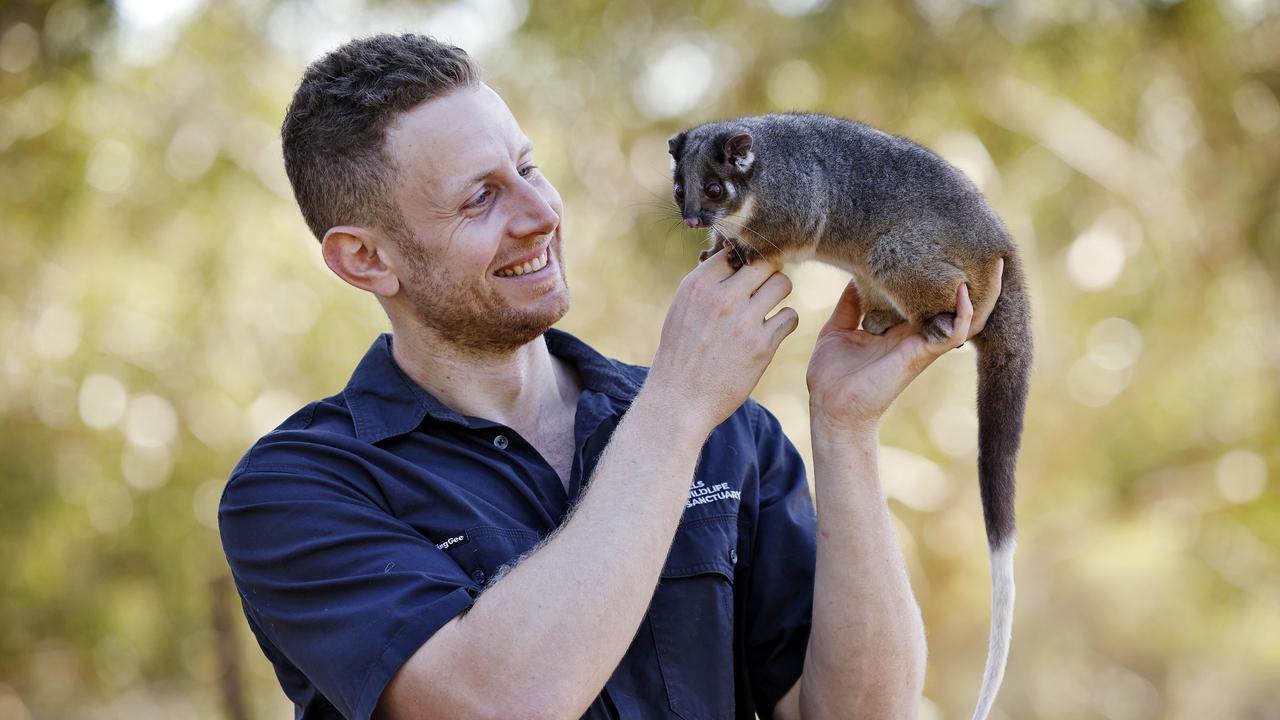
[
  {"x": 878, "y": 312},
  {"x": 877, "y": 321},
  {"x": 912, "y": 271}
]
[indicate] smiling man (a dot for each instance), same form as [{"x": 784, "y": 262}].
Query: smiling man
[{"x": 493, "y": 520}]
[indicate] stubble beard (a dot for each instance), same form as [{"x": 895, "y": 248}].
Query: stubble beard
[{"x": 475, "y": 320}]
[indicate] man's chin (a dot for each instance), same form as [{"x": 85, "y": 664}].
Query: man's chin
[
  {"x": 539, "y": 322},
  {"x": 505, "y": 332},
  {"x": 489, "y": 323},
  {"x": 545, "y": 312}
]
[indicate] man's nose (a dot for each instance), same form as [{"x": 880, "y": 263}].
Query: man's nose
[{"x": 536, "y": 215}]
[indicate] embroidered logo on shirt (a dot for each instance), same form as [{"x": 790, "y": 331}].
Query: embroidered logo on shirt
[
  {"x": 701, "y": 493},
  {"x": 451, "y": 541}
]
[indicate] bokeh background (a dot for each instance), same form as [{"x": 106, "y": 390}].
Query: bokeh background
[{"x": 163, "y": 305}]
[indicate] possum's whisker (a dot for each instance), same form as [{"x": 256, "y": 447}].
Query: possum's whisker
[
  {"x": 663, "y": 206},
  {"x": 657, "y": 198},
  {"x": 659, "y": 211},
  {"x": 742, "y": 227}
]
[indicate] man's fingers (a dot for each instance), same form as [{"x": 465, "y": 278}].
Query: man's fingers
[
  {"x": 983, "y": 310},
  {"x": 774, "y": 289},
  {"x": 753, "y": 276},
  {"x": 964, "y": 317},
  {"x": 848, "y": 311},
  {"x": 783, "y": 323}
]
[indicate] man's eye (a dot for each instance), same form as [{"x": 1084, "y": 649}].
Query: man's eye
[
  {"x": 714, "y": 190},
  {"x": 480, "y": 200},
  {"x": 528, "y": 171}
]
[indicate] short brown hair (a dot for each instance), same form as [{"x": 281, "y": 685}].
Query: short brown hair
[{"x": 335, "y": 129}]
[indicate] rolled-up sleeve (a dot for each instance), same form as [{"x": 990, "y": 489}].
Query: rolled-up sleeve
[
  {"x": 784, "y": 556},
  {"x": 342, "y": 589}
]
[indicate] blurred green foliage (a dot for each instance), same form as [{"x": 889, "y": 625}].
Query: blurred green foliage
[{"x": 163, "y": 305}]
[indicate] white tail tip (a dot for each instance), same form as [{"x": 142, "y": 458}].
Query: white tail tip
[{"x": 1002, "y": 594}]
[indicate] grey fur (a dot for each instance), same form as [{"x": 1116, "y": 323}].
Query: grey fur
[{"x": 910, "y": 228}]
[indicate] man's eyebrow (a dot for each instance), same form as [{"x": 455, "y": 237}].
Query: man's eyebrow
[{"x": 525, "y": 149}]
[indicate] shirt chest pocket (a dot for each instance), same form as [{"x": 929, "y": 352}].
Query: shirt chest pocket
[
  {"x": 692, "y": 619},
  {"x": 491, "y": 548}
]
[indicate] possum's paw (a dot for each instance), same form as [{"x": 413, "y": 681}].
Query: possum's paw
[
  {"x": 939, "y": 327},
  {"x": 877, "y": 322},
  {"x": 740, "y": 255},
  {"x": 720, "y": 244}
]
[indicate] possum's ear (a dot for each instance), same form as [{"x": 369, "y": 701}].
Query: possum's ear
[
  {"x": 737, "y": 150},
  {"x": 675, "y": 145}
]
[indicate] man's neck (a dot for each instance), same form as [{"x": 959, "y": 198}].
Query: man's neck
[{"x": 516, "y": 389}]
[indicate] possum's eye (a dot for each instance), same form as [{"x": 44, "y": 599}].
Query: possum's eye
[
  {"x": 714, "y": 190},
  {"x": 679, "y": 192}
]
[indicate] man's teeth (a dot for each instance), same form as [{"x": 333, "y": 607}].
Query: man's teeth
[{"x": 532, "y": 266}]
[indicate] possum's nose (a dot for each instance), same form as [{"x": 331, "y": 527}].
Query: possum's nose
[{"x": 693, "y": 222}]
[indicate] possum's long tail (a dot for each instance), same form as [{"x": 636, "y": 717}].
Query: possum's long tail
[{"x": 1004, "y": 374}]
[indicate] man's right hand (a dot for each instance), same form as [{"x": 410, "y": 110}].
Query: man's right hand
[{"x": 718, "y": 337}]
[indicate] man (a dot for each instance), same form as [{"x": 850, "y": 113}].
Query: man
[{"x": 493, "y": 520}]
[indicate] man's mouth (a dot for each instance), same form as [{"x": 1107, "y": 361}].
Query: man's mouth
[{"x": 527, "y": 266}]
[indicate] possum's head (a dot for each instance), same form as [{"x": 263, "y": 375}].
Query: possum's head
[{"x": 712, "y": 167}]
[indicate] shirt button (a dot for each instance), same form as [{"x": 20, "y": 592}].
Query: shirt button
[
  {"x": 501, "y": 442},
  {"x": 733, "y": 556},
  {"x": 478, "y": 576}
]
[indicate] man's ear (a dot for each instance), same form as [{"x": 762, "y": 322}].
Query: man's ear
[
  {"x": 737, "y": 151},
  {"x": 360, "y": 256}
]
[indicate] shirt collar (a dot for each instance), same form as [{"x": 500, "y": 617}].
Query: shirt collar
[{"x": 385, "y": 402}]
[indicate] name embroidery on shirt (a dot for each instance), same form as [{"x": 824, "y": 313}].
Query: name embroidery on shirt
[
  {"x": 701, "y": 493},
  {"x": 451, "y": 541}
]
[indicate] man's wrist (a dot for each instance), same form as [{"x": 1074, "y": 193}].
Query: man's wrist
[
  {"x": 831, "y": 432},
  {"x": 680, "y": 417}
]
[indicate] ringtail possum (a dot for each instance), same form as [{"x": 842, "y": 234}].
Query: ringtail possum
[{"x": 910, "y": 228}]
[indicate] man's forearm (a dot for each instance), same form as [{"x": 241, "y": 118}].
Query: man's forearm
[
  {"x": 550, "y": 632},
  {"x": 866, "y": 654},
  {"x": 544, "y": 639}
]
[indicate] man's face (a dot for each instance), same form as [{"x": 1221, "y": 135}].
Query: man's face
[{"x": 483, "y": 263}]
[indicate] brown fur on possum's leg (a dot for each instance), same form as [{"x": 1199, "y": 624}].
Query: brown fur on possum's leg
[
  {"x": 905, "y": 265},
  {"x": 910, "y": 228}
]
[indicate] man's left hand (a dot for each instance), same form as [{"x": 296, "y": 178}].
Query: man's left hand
[{"x": 854, "y": 376}]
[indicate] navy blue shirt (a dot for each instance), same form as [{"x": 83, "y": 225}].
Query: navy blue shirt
[{"x": 369, "y": 519}]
